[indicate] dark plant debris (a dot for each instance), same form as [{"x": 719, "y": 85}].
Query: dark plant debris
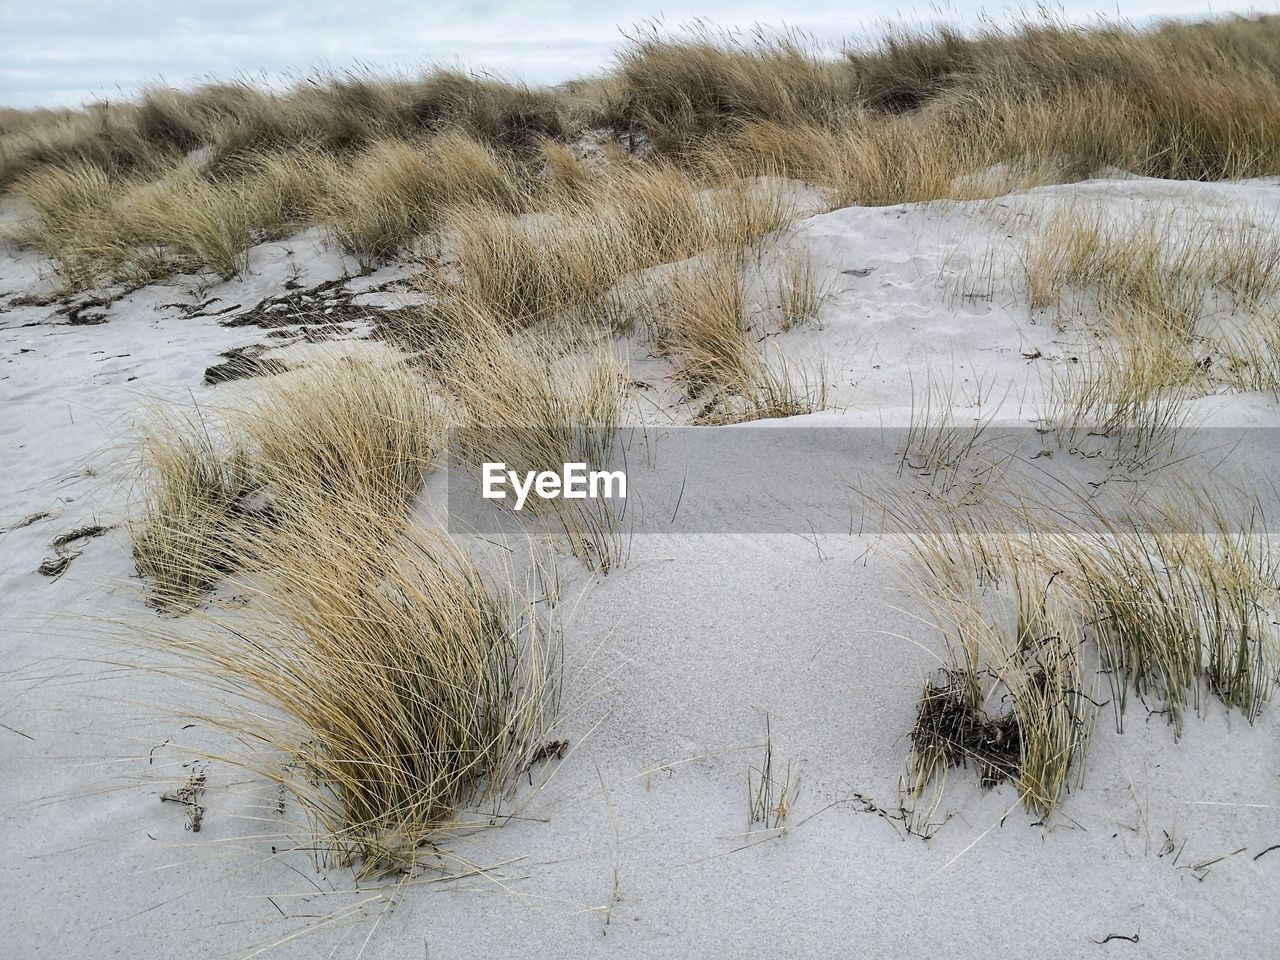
[
  {"x": 952, "y": 729},
  {"x": 28, "y": 520},
  {"x": 56, "y": 566},
  {"x": 326, "y": 300},
  {"x": 189, "y": 796},
  {"x": 241, "y": 362},
  {"x": 86, "y": 532}
]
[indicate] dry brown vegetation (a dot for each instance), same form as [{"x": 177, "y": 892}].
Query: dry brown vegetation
[
  {"x": 919, "y": 116},
  {"x": 700, "y": 319},
  {"x": 400, "y": 681},
  {"x": 384, "y": 679},
  {"x": 214, "y": 484}
]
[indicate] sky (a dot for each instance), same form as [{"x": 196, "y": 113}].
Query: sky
[{"x": 68, "y": 52}]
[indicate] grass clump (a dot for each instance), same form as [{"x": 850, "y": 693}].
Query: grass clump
[
  {"x": 379, "y": 676},
  {"x": 700, "y": 321},
  {"x": 1131, "y": 392},
  {"x": 193, "y": 222},
  {"x": 1180, "y": 308},
  {"x": 524, "y": 272},
  {"x": 395, "y": 191},
  {"x": 568, "y": 262},
  {"x": 1168, "y": 603},
  {"x": 1174, "y": 610},
  {"x": 1013, "y": 701},
  {"x": 195, "y": 510},
  {"x": 799, "y": 293},
  {"x": 74, "y": 222},
  {"x": 536, "y": 401},
  {"x": 346, "y": 429},
  {"x": 215, "y": 489},
  {"x": 1159, "y": 266},
  {"x": 679, "y": 91}
]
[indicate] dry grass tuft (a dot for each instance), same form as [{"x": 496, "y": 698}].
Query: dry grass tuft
[
  {"x": 799, "y": 293},
  {"x": 1014, "y": 700},
  {"x": 705, "y": 328},
  {"x": 396, "y": 191},
  {"x": 1186, "y": 308},
  {"x": 193, "y": 222},
  {"x": 214, "y": 488},
  {"x": 771, "y": 794},
  {"x": 562, "y": 266},
  {"x": 73, "y": 224},
  {"x": 1160, "y": 266},
  {"x": 680, "y": 91},
  {"x": 1132, "y": 391},
  {"x": 195, "y": 491},
  {"x": 567, "y": 263},
  {"x": 699, "y": 319},
  {"x": 379, "y": 676},
  {"x": 345, "y": 429},
  {"x": 536, "y": 402}
]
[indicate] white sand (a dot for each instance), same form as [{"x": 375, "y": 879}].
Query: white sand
[{"x": 637, "y": 846}]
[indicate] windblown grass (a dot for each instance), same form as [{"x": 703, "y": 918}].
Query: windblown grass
[
  {"x": 562, "y": 266},
  {"x": 1161, "y": 266},
  {"x": 345, "y": 429},
  {"x": 1169, "y": 603},
  {"x": 194, "y": 223},
  {"x": 194, "y": 491},
  {"x": 384, "y": 680},
  {"x": 74, "y": 226},
  {"x": 100, "y": 231},
  {"x": 536, "y": 402},
  {"x": 1183, "y": 307},
  {"x": 1037, "y": 91},
  {"x": 379, "y": 676},
  {"x": 396, "y": 191},
  {"x": 700, "y": 320},
  {"x": 235, "y": 120},
  {"x": 918, "y": 117},
  {"x": 567, "y": 263},
  {"x": 215, "y": 487}
]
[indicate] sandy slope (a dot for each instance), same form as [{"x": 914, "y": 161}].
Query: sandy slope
[{"x": 637, "y": 845}]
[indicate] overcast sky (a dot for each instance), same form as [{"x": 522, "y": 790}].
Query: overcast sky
[{"x": 65, "y": 52}]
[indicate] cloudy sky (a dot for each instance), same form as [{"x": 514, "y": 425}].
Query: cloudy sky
[{"x": 64, "y": 52}]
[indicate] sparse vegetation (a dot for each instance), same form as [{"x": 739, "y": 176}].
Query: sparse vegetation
[
  {"x": 388, "y": 679},
  {"x": 1159, "y": 267},
  {"x": 700, "y": 320},
  {"x": 1169, "y": 603},
  {"x": 770, "y": 793},
  {"x": 1180, "y": 308}
]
